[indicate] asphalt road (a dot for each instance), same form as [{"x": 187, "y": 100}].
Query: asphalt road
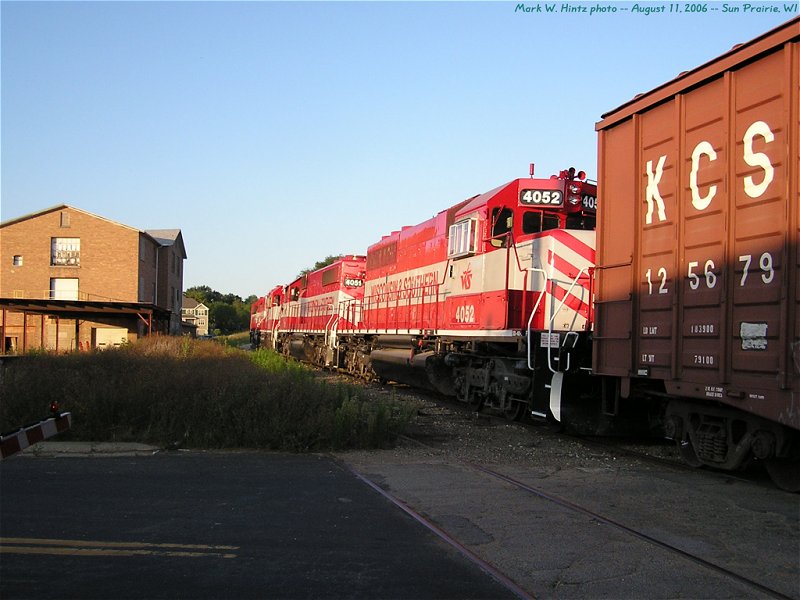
[{"x": 215, "y": 525}]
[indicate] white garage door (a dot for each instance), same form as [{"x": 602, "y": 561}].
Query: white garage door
[{"x": 64, "y": 289}]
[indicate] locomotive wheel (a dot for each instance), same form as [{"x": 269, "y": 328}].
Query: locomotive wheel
[
  {"x": 516, "y": 411},
  {"x": 475, "y": 401},
  {"x": 688, "y": 454},
  {"x": 784, "y": 473}
]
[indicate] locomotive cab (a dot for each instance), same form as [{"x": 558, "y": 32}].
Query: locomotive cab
[
  {"x": 562, "y": 202},
  {"x": 517, "y": 292}
]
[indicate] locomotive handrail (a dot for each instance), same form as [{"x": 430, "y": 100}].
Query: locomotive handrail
[
  {"x": 569, "y": 291},
  {"x": 275, "y": 326},
  {"x": 330, "y": 326},
  {"x": 552, "y": 318},
  {"x": 533, "y": 312},
  {"x": 376, "y": 312},
  {"x": 549, "y": 280}
]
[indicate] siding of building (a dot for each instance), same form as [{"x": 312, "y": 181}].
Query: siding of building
[
  {"x": 109, "y": 266},
  {"x": 111, "y": 262}
]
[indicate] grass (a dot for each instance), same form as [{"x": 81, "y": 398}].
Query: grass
[
  {"x": 234, "y": 339},
  {"x": 196, "y": 394}
]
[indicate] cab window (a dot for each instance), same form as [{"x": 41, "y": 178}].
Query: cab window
[
  {"x": 535, "y": 221},
  {"x": 502, "y": 222},
  {"x": 581, "y": 221}
]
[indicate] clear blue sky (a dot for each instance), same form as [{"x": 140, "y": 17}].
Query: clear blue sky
[{"x": 276, "y": 133}]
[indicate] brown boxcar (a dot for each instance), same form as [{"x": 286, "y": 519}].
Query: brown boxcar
[{"x": 698, "y": 282}]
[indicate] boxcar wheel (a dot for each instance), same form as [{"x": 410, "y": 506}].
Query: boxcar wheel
[
  {"x": 785, "y": 473},
  {"x": 516, "y": 411},
  {"x": 475, "y": 400},
  {"x": 688, "y": 454}
]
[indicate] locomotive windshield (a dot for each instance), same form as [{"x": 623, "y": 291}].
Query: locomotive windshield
[
  {"x": 581, "y": 220},
  {"x": 534, "y": 221}
]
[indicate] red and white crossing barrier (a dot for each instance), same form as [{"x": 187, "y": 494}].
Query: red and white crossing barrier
[{"x": 27, "y": 436}]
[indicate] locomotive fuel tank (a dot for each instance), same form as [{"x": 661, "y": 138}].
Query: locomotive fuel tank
[
  {"x": 402, "y": 365},
  {"x": 426, "y": 370}
]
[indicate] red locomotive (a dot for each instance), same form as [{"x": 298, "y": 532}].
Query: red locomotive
[
  {"x": 472, "y": 302},
  {"x": 681, "y": 319},
  {"x": 455, "y": 303},
  {"x": 265, "y": 315},
  {"x": 304, "y": 318}
]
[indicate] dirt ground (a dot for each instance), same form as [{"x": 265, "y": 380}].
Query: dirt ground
[{"x": 699, "y": 534}]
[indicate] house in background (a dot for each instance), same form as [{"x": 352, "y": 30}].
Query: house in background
[
  {"x": 195, "y": 313},
  {"x": 71, "y": 279}
]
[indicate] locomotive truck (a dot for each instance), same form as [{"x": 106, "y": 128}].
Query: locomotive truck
[{"x": 667, "y": 303}]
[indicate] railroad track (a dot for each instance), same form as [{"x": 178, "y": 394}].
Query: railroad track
[
  {"x": 651, "y": 455},
  {"x": 572, "y": 506},
  {"x": 652, "y": 450},
  {"x": 540, "y": 493}
]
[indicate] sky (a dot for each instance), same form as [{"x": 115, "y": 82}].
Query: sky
[{"x": 274, "y": 134}]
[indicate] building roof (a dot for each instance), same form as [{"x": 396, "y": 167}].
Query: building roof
[
  {"x": 163, "y": 237},
  {"x": 44, "y": 211},
  {"x": 191, "y": 303},
  {"x": 168, "y": 237},
  {"x": 81, "y": 308}
]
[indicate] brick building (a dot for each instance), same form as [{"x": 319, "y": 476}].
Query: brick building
[{"x": 71, "y": 279}]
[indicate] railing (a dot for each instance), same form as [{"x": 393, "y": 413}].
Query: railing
[
  {"x": 397, "y": 315},
  {"x": 64, "y": 295},
  {"x": 549, "y": 282}
]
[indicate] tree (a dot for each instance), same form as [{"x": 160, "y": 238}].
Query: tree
[
  {"x": 204, "y": 294},
  {"x": 320, "y": 263},
  {"x": 224, "y": 318},
  {"x": 228, "y": 313}
]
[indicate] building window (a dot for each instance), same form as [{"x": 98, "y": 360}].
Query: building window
[
  {"x": 64, "y": 219},
  {"x": 17, "y": 260},
  {"x": 65, "y": 252}
]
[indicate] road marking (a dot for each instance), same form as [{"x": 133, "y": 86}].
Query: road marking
[{"x": 99, "y": 548}]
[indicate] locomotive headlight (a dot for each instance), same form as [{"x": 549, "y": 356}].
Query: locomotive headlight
[{"x": 574, "y": 200}]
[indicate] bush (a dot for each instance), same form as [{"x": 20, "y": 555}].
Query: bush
[{"x": 198, "y": 394}]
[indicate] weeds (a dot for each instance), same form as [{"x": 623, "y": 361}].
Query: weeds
[{"x": 196, "y": 394}]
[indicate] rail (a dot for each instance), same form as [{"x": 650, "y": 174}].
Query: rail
[
  {"x": 410, "y": 310},
  {"x": 549, "y": 282},
  {"x": 330, "y": 332},
  {"x": 75, "y": 295}
]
